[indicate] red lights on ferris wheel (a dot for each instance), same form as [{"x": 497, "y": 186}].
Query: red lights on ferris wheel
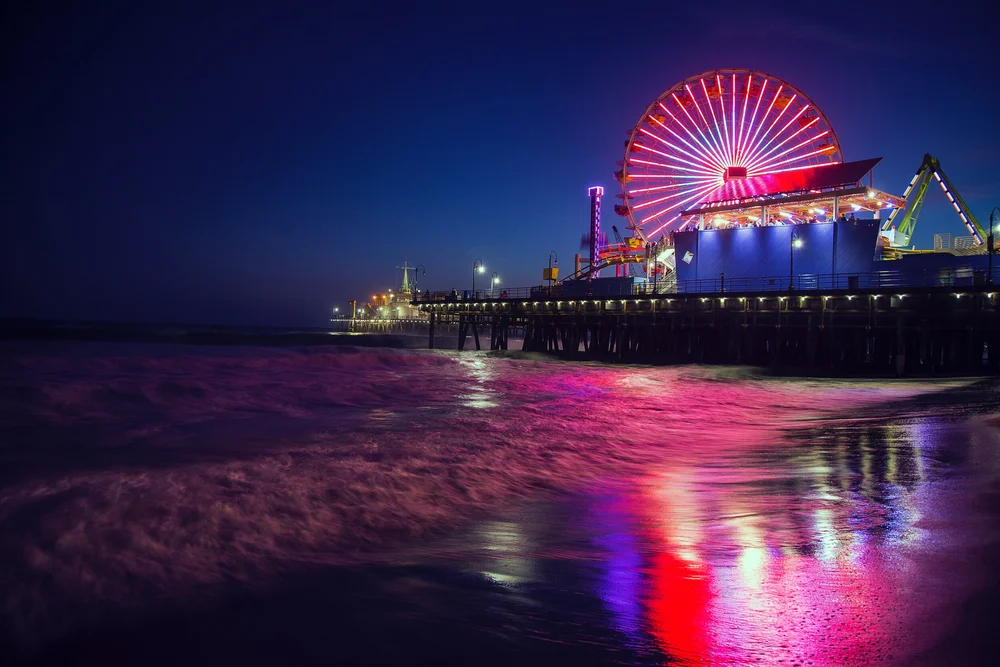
[{"x": 712, "y": 128}]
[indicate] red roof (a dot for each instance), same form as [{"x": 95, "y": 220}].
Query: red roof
[{"x": 789, "y": 182}]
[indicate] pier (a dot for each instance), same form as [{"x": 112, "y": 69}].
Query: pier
[
  {"x": 843, "y": 325},
  {"x": 379, "y": 325}
]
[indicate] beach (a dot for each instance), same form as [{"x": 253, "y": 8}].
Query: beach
[{"x": 370, "y": 505}]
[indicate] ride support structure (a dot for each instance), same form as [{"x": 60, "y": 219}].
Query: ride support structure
[{"x": 903, "y": 220}]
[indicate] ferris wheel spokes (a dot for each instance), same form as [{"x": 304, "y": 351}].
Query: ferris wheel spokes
[{"x": 755, "y": 124}]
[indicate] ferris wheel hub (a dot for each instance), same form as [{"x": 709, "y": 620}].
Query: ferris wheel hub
[{"x": 734, "y": 173}]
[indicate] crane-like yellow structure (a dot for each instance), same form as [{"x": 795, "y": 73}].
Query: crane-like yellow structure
[{"x": 900, "y": 225}]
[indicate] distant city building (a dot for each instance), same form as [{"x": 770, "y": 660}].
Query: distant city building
[
  {"x": 964, "y": 242},
  {"x": 942, "y": 241}
]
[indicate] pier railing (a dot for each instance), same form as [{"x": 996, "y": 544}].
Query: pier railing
[
  {"x": 875, "y": 280},
  {"x": 809, "y": 282}
]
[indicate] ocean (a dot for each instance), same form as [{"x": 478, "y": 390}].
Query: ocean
[{"x": 258, "y": 501}]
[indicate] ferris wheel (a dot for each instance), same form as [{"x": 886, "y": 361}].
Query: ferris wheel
[{"x": 716, "y": 126}]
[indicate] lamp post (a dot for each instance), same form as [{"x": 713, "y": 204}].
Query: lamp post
[
  {"x": 417, "y": 272},
  {"x": 989, "y": 247},
  {"x": 552, "y": 254},
  {"x": 494, "y": 281},
  {"x": 793, "y": 242},
  {"x": 476, "y": 266}
]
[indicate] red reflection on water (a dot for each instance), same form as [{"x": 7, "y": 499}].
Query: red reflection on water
[{"x": 678, "y": 604}]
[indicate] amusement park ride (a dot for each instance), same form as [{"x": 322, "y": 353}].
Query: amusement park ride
[
  {"x": 767, "y": 246},
  {"x": 899, "y": 234},
  {"x": 737, "y": 148}
]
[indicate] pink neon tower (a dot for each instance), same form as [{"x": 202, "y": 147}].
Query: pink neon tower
[{"x": 595, "y": 225}]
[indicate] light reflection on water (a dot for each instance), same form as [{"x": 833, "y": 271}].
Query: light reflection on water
[
  {"x": 712, "y": 519},
  {"x": 478, "y": 393},
  {"x": 809, "y": 553},
  {"x": 820, "y": 572},
  {"x": 508, "y": 547}
]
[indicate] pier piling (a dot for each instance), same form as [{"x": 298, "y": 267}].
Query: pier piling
[{"x": 926, "y": 331}]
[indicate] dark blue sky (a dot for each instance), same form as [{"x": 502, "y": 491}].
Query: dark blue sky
[{"x": 260, "y": 163}]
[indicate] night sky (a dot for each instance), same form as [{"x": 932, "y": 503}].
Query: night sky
[{"x": 254, "y": 163}]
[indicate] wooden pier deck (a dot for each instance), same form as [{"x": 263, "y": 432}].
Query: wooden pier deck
[{"x": 905, "y": 331}]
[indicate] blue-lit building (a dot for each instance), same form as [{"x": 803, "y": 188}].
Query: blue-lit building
[{"x": 802, "y": 229}]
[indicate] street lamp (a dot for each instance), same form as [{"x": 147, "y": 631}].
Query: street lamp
[
  {"x": 417, "y": 272},
  {"x": 555, "y": 257},
  {"x": 476, "y": 266},
  {"x": 494, "y": 281},
  {"x": 793, "y": 243}
]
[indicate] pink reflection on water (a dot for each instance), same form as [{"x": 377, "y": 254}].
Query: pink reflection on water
[{"x": 741, "y": 571}]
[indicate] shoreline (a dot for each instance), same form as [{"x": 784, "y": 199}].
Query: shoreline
[{"x": 315, "y": 507}]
